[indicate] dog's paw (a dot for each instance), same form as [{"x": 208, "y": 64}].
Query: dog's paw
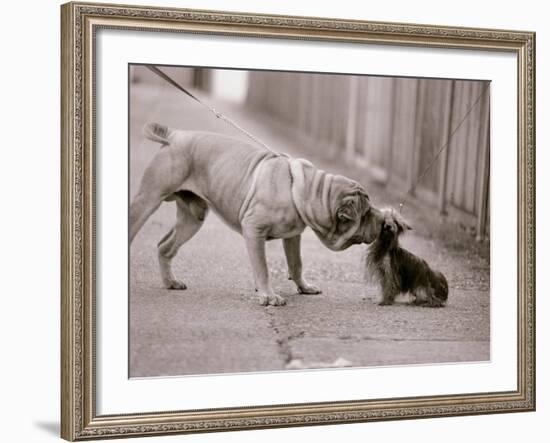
[
  {"x": 307, "y": 288},
  {"x": 304, "y": 287},
  {"x": 175, "y": 284},
  {"x": 385, "y": 303},
  {"x": 271, "y": 300},
  {"x": 433, "y": 303}
]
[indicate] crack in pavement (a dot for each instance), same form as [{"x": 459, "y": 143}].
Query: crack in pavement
[{"x": 283, "y": 341}]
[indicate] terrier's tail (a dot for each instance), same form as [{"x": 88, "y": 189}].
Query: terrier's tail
[{"x": 157, "y": 132}]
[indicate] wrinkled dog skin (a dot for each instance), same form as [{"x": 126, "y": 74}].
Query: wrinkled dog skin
[{"x": 261, "y": 195}]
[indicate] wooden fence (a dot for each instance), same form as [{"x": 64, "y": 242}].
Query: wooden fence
[
  {"x": 394, "y": 127},
  {"x": 188, "y": 77}
]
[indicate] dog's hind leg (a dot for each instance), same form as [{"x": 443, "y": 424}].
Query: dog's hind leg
[
  {"x": 433, "y": 301},
  {"x": 191, "y": 212},
  {"x": 142, "y": 206},
  {"x": 425, "y": 297},
  {"x": 157, "y": 183}
]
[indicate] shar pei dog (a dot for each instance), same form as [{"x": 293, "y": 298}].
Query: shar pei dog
[{"x": 261, "y": 195}]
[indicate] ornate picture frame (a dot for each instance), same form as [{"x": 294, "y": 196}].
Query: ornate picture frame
[{"x": 80, "y": 22}]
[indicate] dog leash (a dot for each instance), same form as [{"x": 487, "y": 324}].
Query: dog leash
[
  {"x": 219, "y": 115},
  {"x": 445, "y": 146}
]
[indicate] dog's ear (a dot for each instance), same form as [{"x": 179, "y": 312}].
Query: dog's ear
[
  {"x": 403, "y": 224},
  {"x": 347, "y": 210},
  {"x": 352, "y": 206}
]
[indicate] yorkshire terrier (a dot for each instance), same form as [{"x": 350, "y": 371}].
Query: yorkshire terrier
[{"x": 399, "y": 271}]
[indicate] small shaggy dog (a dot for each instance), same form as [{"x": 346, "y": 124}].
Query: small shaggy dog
[{"x": 399, "y": 271}]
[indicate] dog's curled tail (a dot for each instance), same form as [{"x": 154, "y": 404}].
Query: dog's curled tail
[{"x": 157, "y": 132}]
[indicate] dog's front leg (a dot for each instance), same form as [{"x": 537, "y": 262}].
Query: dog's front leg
[
  {"x": 294, "y": 261},
  {"x": 256, "y": 252},
  {"x": 389, "y": 292}
]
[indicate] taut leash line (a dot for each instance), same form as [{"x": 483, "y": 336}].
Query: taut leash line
[
  {"x": 219, "y": 115},
  {"x": 445, "y": 146}
]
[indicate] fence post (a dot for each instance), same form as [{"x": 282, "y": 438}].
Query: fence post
[
  {"x": 413, "y": 154},
  {"x": 483, "y": 190},
  {"x": 389, "y": 153},
  {"x": 443, "y": 170},
  {"x": 351, "y": 130}
]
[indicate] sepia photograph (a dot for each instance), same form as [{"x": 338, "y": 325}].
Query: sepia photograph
[{"x": 283, "y": 221}]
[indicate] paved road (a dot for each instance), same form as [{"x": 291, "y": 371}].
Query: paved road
[{"x": 217, "y": 326}]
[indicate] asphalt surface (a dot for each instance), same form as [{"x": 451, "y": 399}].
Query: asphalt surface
[{"x": 217, "y": 324}]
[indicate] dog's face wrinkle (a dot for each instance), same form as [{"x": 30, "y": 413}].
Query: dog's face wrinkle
[{"x": 352, "y": 220}]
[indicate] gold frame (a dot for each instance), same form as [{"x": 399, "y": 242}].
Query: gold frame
[{"x": 79, "y": 21}]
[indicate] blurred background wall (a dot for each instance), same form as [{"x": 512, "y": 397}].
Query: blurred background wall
[
  {"x": 390, "y": 127},
  {"x": 393, "y": 127}
]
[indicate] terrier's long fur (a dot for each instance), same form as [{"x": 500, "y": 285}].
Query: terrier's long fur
[{"x": 399, "y": 271}]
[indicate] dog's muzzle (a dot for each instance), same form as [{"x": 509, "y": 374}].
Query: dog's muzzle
[{"x": 372, "y": 225}]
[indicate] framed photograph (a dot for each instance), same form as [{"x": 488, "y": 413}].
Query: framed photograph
[{"x": 277, "y": 221}]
